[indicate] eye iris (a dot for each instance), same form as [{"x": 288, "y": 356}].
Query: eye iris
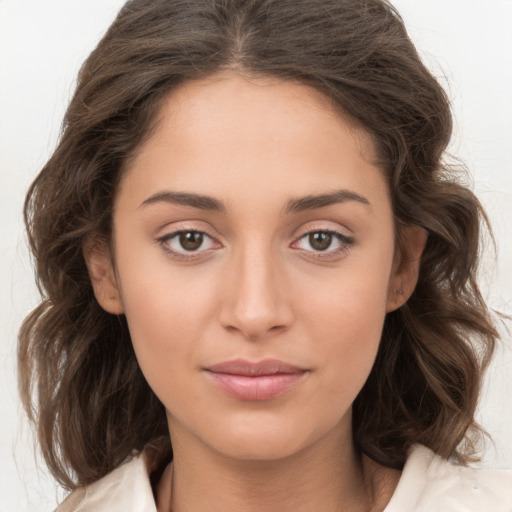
[
  {"x": 320, "y": 240},
  {"x": 191, "y": 240}
]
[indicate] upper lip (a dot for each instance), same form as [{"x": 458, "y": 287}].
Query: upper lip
[{"x": 243, "y": 367}]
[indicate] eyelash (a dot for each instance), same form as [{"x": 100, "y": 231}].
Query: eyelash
[
  {"x": 345, "y": 244},
  {"x": 165, "y": 240}
]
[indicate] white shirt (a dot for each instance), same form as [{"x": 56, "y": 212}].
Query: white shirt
[{"x": 428, "y": 484}]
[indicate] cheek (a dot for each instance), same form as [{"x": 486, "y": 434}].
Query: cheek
[
  {"x": 167, "y": 313},
  {"x": 346, "y": 315},
  {"x": 350, "y": 324}
]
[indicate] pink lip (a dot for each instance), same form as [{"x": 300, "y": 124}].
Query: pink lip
[{"x": 259, "y": 381}]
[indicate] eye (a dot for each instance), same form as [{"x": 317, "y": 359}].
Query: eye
[
  {"x": 187, "y": 243},
  {"x": 320, "y": 240},
  {"x": 330, "y": 243}
]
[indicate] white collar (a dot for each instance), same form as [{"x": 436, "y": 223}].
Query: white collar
[{"x": 428, "y": 484}]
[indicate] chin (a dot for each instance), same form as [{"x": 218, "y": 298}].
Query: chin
[
  {"x": 266, "y": 440},
  {"x": 259, "y": 448}
]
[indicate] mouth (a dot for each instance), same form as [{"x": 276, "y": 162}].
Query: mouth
[{"x": 263, "y": 380}]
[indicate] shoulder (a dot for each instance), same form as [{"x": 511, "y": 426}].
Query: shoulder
[
  {"x": 430, "y": 483},
  {"x": 126, "y": 488}
]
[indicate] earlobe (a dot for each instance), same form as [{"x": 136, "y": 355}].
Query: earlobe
[
  {"x": 406, "y": 267},
  {"x": 101, "y": 272}
]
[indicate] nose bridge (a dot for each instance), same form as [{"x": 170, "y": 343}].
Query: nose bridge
[{"x": 256, "y": 296}]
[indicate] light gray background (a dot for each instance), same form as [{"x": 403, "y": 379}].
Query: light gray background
[{"x": 468, "y": 44}]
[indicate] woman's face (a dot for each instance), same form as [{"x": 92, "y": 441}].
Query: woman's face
[{"x": 254, "y": 260}]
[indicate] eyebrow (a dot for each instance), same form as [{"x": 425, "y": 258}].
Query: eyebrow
[
  {"x": 312, "y": 202},
  {"x": 186, "y": 199},
  {"x": 309, "y": 202}
]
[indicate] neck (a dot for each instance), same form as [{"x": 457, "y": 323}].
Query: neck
[{"x": 329, "y": 476}]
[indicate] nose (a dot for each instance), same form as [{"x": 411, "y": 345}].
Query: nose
[{"x": 256, "y": 300}]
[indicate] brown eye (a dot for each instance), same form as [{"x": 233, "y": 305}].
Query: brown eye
[
  {"x": 188, "y": 244},
  {"x": 191, "y": 240},
  {"x": 320, "y": 240},
  {"x": 325, "y": 244}
]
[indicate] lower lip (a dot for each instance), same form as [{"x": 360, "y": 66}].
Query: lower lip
[{"x": 258, "y": 387}]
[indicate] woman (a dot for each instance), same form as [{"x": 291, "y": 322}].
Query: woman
[{"x": 259, "y": 278}]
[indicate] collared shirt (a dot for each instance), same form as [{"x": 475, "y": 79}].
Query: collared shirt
[{"x": 428, "y": 484}]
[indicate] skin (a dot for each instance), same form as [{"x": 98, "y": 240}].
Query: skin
[{"x": 257, "y": 288}]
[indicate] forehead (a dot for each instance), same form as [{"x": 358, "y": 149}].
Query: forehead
[{"x": 231, "y": 129}]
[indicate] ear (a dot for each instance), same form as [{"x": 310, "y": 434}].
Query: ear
[
  {"x": 406, "y": 266},
  {"x": 101, "y": 272}
]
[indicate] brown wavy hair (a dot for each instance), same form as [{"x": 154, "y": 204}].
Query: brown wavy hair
[{"x": 79, "y": 378}]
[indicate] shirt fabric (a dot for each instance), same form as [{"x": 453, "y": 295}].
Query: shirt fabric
[{"x": 428, "y": 483}]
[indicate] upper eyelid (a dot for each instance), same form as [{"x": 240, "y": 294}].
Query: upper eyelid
[
  {"x": 167, "y": 231},
  {"x": 296, "y": 236},
  {"x": 337, "y": 234},
  {"x": 326, "y": 224},
  {"x": 313, "y": 227},
  {"x": 320, "y": 229},
  {"x": 323, "y": 230}
]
